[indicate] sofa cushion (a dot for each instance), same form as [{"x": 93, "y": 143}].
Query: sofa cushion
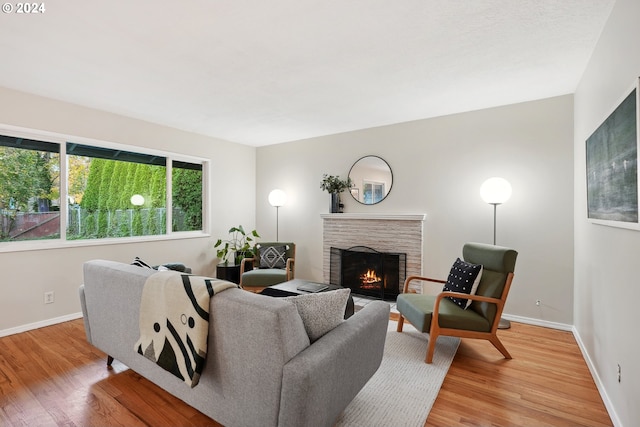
[
  {"x": 464, "y": 278},
  {"x": 322, "y": 311}
]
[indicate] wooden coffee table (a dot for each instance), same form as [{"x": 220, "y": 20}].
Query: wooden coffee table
[{"x": 290, "y": 288}]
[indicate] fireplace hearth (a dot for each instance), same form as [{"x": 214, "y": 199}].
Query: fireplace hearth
[{"x": 368, "y": 272}]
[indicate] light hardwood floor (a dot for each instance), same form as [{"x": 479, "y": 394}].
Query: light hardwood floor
[
  {"x": 547, "y": 383},
  {"x": 53, "y": 377}
]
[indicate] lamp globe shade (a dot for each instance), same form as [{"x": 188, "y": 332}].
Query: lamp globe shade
[
  {"x": 137, "y": 200},
  {"x": 495, "y": 191},
  {"x": 277, "y": 198}
]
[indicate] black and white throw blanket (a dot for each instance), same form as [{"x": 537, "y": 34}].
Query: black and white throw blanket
[{"x": 174, "y": 321}]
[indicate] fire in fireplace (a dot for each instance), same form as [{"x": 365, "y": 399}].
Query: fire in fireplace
[{"x": 368, "y": 272}]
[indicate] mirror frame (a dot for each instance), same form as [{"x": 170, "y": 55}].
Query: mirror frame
[{"x": 355, "y": 191}]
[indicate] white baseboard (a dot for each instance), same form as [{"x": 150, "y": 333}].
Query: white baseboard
[
  {"x": 538, "y": 322},
  {"x": 596, "y": 378},
  {"x": 41, "y": 324}
]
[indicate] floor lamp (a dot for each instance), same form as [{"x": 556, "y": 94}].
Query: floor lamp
[
  {"x": 496, "y": 191},
  {"x": 277, "y": 198}
]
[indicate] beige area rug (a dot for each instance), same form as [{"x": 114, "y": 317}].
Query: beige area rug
[{"x": 402, "y": 391}]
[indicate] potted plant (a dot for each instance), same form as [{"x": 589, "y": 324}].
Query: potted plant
[
  {"x": 238, "y": 244},
  {"x": 334, "y": 186}
]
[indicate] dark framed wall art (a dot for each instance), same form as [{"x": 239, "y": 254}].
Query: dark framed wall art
[{"x": 612, "y": 166}]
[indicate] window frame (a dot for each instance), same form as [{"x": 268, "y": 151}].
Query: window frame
[{"x": 61, "y": 140}]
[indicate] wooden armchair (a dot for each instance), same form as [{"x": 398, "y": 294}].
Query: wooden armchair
[
  {"x": 439, "y": 315},
  {"x": 273, "y": 263}
]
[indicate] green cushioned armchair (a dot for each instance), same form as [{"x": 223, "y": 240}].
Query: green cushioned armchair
[
  {"x": 438, "y": 315},
  {"x": 273, "y": 263}
]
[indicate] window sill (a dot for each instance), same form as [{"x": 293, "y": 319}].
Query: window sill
[{"x": 40, "y": 245}]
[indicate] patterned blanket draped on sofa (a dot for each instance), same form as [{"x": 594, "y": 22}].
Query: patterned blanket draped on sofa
[{"x": 174, "y": 321}]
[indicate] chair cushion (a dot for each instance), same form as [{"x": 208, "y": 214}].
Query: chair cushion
[
  {"x": 464, "y": 278},
  {"x": 418, "y": 310},
  {"x": 264, "y": 277},
  {"x": 322, "y": 311},
  {"x": 273, "y": 256}
]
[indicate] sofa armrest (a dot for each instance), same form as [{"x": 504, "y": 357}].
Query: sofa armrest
[
  {"x": 321, "y": 381},
  {"x": 85, "y": 318}
]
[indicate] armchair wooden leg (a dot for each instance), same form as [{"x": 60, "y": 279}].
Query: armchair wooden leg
[
  {"x": 109, "y": 360},
  {"x": 400, "y": 323},
  {"x": 501, "y": 348},
  {"x": 430, "y": 348}
]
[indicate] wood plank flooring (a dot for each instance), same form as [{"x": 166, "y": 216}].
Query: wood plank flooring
[
  {"x": 53, "y": 377},
  {"x": 547, "y": 383}
]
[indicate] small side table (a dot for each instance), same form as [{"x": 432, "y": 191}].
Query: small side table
[{"x": 228, "y": 272}]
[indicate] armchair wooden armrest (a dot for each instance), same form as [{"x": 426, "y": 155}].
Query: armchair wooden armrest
[
  {"x": 441, "y": 295},
  {"x": 243, "y": 262},
  {"x": 426, "y": 279},
  {"x": 290, "y": 267}
]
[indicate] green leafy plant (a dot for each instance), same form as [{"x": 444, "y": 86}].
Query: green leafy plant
[
  {"x": 333, "y": 183},
  {"x": 239, "y": 243}
]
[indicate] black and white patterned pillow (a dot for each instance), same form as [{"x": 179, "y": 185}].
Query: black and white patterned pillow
[
  {"x": 140, "y": 263},
  {"x": 273, "y": 257},
  {"x": 464, "y": 278}
]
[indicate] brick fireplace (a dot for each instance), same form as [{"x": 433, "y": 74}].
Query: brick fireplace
[{"x": 401, "y": 233}]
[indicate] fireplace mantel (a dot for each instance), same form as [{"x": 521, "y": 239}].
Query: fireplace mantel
[
  {"x": 384, "y": 232},
  {"x": 376, "y": 216}
]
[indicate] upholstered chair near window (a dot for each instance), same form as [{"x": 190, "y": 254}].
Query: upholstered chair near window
[
  {"x": 273, "y": 263},
  {"x": 466, "y": 307}
]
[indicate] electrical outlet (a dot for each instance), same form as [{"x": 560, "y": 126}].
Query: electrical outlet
[
  {"x": 538, "y": 302},
  {"x": 48, "y": 297},
  {"x": 619, "y": 373}
]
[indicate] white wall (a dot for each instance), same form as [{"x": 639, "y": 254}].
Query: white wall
[
  {"x": 438, "y": 166},
  {"x": 25, "y": 276},
  {"x": 606, "y": 258}
]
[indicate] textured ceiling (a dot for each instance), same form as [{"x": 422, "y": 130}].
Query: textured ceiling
[{"x": 263, "y": 72}]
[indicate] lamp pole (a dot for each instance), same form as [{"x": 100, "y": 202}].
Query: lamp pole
[
  {"x": 496, "y": 191},
  {"x": 495, "y": 210},
  {"x": 277, "y": 198},
  {"x": 277, "y": 223}
]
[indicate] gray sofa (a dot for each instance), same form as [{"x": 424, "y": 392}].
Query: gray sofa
[{"x": 261, "y": 369}]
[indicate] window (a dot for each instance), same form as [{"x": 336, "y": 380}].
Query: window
[
  {"x": 114, "y": 193},
  {"x": 187, "y": 196},
  {"x": 110, "y": 193},
  {"x": 29, "y": 189},
  {"x": 373, "y": 192}
]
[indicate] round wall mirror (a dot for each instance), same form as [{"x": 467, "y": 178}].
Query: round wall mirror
[{"x": 371, "y": 180}]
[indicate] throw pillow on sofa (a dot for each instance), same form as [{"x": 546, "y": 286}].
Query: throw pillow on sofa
[
  {"x": 140, "y": 263},
  {"x": 174, "y": 266},
  {"x": 322, "y": 311}
]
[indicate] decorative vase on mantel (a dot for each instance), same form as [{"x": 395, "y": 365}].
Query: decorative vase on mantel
[
  {"x": 333, "y": 185},
  {"x": 335, "y": 203}
]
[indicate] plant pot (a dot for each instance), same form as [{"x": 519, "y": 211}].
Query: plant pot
[
  {"x": 335, "y": 203},
  {"x": 240, "y": 255},
  {"x": 228, "y": 272}
]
